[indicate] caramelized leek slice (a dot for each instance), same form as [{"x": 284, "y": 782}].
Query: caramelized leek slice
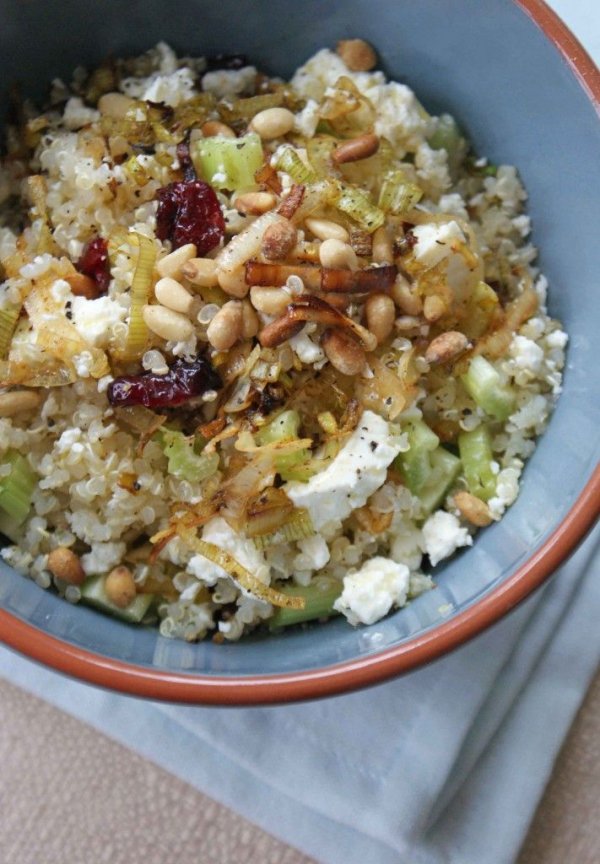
[
  {"x": 288, "y": 160},
  {"x": 137, "y": 334},
  {"x": 16, "y": 489},
  {"x": 397, "y": 194},
  {"x": 8, "y": 323},
  {"x": 297, "y": 527},
  {"x": 246, "y": 580}
]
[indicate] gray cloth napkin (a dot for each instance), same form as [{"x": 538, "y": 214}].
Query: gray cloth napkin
[{"x": 444, "y": 765}]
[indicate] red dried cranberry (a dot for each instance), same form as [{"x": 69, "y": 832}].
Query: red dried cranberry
[
  {"x": 94, "y": 263},
  {"x": 189, "y": 212},
  {"x": 183, "y": 381}
]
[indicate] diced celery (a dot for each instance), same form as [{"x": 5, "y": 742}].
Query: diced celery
[
  {"x": 447, "y": 135},
  {"x": 397, "y": 194},
  {"x": 93, "y": 593},
  {"x": 16, "y": 489},
  {"x": 282, "y": 428},
  {"x": 184, "y": 461},
  {"x": 475, "y": 448},
  {"x": 485, "y": 386},
  {"x": 428, "y": 468},
  {"x": 319, "y": 598},
  {"x": 288, "y": 160},
  {"x": 228, "y": 163},
  {"x": 10, "y": 527}
]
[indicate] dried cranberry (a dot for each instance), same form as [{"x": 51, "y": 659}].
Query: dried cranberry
[
  {"x": 226, "y": 61},
  {"x": 94, "y": 262},
  {"x": 189, "y": 212},
  {"x": 183, "y": 381}
]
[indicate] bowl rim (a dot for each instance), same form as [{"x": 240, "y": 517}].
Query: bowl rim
[{"x": 158, "y": 684}]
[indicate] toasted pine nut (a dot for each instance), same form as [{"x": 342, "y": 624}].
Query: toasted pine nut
[
  {"x": 362, "y": 242},
  {"x": 433, "y": 308},
  {"x": 172, "y": 263},
  {"x": 250, "y": 322},
  {"x": 214, "y": 127},
  {"x": 325, "y": 229},
  {"x": 233, "y": 282},
  {"x": 227, "y": 326},
  {"x": 254, "y": 203},
  {"x": 119, "y": 586},
  {"x": 272, "y": 123},
  {"x": 357, "y": 54},
  {"x": 201, "y": 272},
  {"x": 334, "y": 253},
  {"x": 269, "y": 301},
  {"x": 343, "y": 352},
  {"x": 83, "y": 286},
  {"x": 383, "y": 248},
  {"x": 65, "y": 565},
  {"x": 404, "y": 298},
  {"x": 473, "y": 509},
  {"x": 115, "y": 105},
  {"x": 173, "y": 295},
  {"x": 167, "y": 324},
  {"x": 380, "y": 313},
  {"x": 446, "y": 347},
  {"x": 17, "y": 401},
  {"x": 278, "y": 240},
  {"x": 355, "y": 149}
]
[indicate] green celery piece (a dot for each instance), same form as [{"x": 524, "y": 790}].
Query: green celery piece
[
  {"x": 397, "y": 194},
  {"x": 475, "y": 448},
  {"x": 183, "y": 461},
  {"x": 283, "y": 428},
  {"x": 228, "y": 163},
  {"x": 445, "y": 468},
  {"x": 484, "y": 384},
  {"x": 319, "y": 598},
  {"x": 16, "y": 489},
  {"x": 93, "y": 593},
  {"x": 415, "y": 463},
  {"x": 10, "y": 527}
]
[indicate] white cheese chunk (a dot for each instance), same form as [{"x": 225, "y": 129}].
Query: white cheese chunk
[
  {"x": 356, "y": 472},
  {"x": 244, "y": 551},
  {"x": 314, "y": 553},
  {"x": 434, "y": 242},
  {"x": 526, "y": 354},
  {"x": 95, "y": 319},
  {"x": 442, "y": 535},
  {"x": 370, "y": 593}
]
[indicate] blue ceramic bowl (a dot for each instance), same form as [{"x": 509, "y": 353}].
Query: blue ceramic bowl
[{"x": 524, "y": 90}]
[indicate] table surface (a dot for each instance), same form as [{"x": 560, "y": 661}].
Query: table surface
[{"x": 69, "y": 795}]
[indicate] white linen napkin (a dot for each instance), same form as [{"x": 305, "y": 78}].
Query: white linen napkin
[{"x": 443, "y": 766}]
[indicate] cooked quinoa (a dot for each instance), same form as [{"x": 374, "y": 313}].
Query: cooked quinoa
[{"x": 268, "y": 351}]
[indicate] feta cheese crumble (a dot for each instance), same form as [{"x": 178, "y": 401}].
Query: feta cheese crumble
[
  {"x": 443, "y": 535},
  {"x": 370, "y": 592}
]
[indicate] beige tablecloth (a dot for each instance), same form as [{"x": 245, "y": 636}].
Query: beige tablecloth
[{"x": 68, "y": 795}]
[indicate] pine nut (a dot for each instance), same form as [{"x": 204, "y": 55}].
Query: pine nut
[
  {"x": 214, "y": 127},
  {"x": 383, "y": 248},
  {"x": 201, "y": 272},
  {"x": 254, "y": 203},
  {"x": 407, "y": 322},
  {"x": 278, "y": 240},
  {"x": 269, "y": 301},
  {"x": 343, "y": 352},
  {"x": 17, "y": 401},
  {"x": 173, "y": 295},
  {"x": 167, "y": 324},
  {"x": 83, "y": 286},
  {"x": 250, "y": 322},
  {"x": 380, "y": 313},
  {"x": 357, "y": 54},
  {"x": 473, "y": 509},
  {"x": 404, "y": 298},
  {"x": 233, "y": 282},
  {"x": 433, "y": 308},
  {"x": 356, "y": 149},
  {"x": 272, "y": 123},
  {"x": 65, "y": 565},
  {"x": 446, "y": 347},
  {"x": 338, "y": 255},
  {"x": 227, "y": 326},
  {"x": 119, "y": 586},
  {"x": 325, "y": 229},
  {"x": 171, "y": 264},
  {"x": 115, "y": 105}
]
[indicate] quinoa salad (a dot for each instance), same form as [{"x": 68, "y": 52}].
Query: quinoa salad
[{"x": 269, "y": 351}]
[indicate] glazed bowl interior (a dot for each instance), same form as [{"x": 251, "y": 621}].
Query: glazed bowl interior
[{"x": 493, "y": 68}]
